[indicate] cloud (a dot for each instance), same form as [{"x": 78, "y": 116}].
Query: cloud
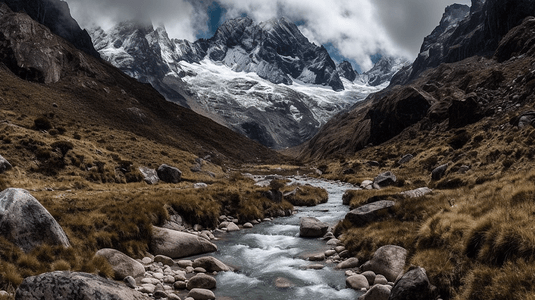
[
  {"x": 357, "y": 28},
  {"x": 182, "y": 18}
]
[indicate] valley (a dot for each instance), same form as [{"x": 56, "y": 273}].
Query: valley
[{"x": 404, "y": 182}]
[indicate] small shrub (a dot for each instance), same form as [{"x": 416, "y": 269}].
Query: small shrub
[
  {"x": 60, "y": 265},
  {"x": 42, "y": 123}
]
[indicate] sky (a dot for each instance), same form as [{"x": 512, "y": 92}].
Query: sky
[{"x": 350, "y": 29}]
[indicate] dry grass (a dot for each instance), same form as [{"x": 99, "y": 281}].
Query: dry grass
[{"x": 306, "y": 195}]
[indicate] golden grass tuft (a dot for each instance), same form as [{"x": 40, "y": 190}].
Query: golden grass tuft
[{"x": 306, "y": 195}]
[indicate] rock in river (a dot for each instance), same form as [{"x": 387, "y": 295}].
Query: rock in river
[
  {"x": 177, "y": 244},
  {"x": 312, "y": 227}
]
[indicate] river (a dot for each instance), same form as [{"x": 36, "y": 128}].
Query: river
[{"x": 273, "y": 250}]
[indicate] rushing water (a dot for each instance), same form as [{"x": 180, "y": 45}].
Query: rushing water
[{"x": 274, "y": 250}]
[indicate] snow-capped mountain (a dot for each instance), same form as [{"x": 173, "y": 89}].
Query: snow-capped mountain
[{"x": 267, "y": 80}]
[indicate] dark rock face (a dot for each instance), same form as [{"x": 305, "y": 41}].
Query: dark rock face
[
  {"x": 464, "y": 112},
  {"x": 518, "y": 41},
  {"x": 74, "y": 285},
  {"x": 370, "y": 212},
  {"x": 345, "y": 69},
  {"x": 56, "y": 15},
  {"x": 461, "y": 34},
  {"x": 48, "y": 63},
  {"x": 414, "y": 285},
  {"x": 276, "y": 50},
  {"x": 388, "y": 119},
  {"x": 26, "y": 223}
]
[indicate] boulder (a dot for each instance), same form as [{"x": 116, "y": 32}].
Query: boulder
[
  {"x": 464, "y": 112},
  {"x": 283, "y": 283},
  {"x": 4, "y": 165},
  {"x": 384, "y": 179},
  {"x": 352, "y": 262},
  {"x": 169, "y": 174},
  {"x": 366, "y": 185},
  {"x": 149, "y": 175},
  {"x": 165, "y": 260},
  {"x": 210, "y": 264},
  {"x": 273, "y": 195},
  {"x": 527, "y": 118},
  {"x": 201, "y": 294},
  {"x": 232, "y": 227},
  {"x": 74, "y": 285},
  {"x": 357, "y": 282},
  {"x": 377, "y": 292},
  {"x": 370, "y": 275},
  {"x": 201, "y": 281},
  {"x": 419, "y": 192},
  {"x": 370, "y": 212},
  {"x": 26, "y": 223},
  {"x": 414, "y": 285},
  {"x": 439, "y": 172},
  {"x": 405, "y": 159},
  {"x": 123, "y": 265},
  {"x": 312, "y": 227},
  {"x": 177, "y": 244},
  {"x": 388, "y": 261}
]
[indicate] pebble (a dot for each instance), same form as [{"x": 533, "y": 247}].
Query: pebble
[
  {"x": 190, "y": 269},
  {"x": 147, "y": 288},
  {"x": 148, "y": 280},
  {"x": 330, "y": 252},
  {"x": 146, "y": 260},
  {"x": 180, "y": 285},
  {"x": 199, "y": 270},
  {"x": 247, "y": 225}
]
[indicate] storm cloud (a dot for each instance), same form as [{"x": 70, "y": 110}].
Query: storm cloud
[{"x": 357, "y": 28}]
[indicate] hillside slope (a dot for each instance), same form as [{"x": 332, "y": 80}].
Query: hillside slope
[{"x": 81, "y": 95}]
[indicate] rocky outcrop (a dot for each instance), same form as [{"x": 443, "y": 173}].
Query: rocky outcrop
[
  {"x": 47, "y": 63},
  {"x": 414, "y": 285},
  {"x": 176, "y": 244},
  {"x": 370, "y": 212},
  {"x": 26, "y": 223},
  {"x": 388, "y": 261},
  {"x": 345, "y": 69},
  {"x": 461, "y": 34},
  {"x": 169, "y": 174},
  {"x": 123, "y": 266},
  {"x": 56, "y": 15},
  {"x": 312, "y": 227},
  {"x": 74, "y": 285}
]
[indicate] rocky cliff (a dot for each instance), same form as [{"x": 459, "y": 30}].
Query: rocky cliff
[
  {"x": 452, "y": 95},
  {"x": 56, "y": 15}
]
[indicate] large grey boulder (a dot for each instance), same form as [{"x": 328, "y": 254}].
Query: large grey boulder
[
  {"x": 169, "y": 174},
  {"x": 377, "y": 292},
  {"x": 74, "y": 285},
  {"x": 388, "y": 261},
  {"x": 177, "y": 244},
  {"x": 312, "y": 227},
  {"x": 149, "y": 175},
  {"x": 4, "y": 165},
  {"x": 123, "y": 265},
  {"x": 414, "y": 285},
  {"x": 26, "y": 223},
  {"x": 210, "y": 264},
  {"x": 370, "y": 212},
  {"x": 201, "y": 281},
  {"x": 384, "y": 179}
]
